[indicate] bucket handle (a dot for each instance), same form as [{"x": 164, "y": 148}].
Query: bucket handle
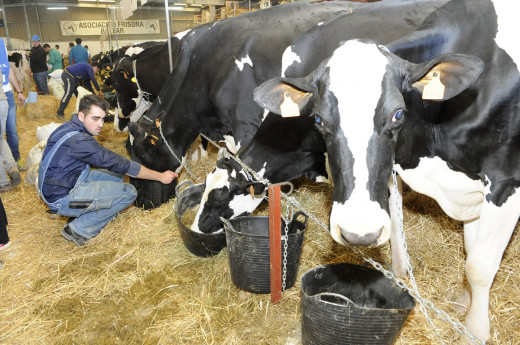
[
  {"x": 297, "y": 214},
  {"x": 182, "y": 184},
  {"x": 332, "y": 294},
  {"x": 227, "y": 224}
]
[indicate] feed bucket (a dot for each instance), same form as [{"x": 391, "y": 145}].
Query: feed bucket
[
  {"x": 248, "y": 251},
  {"x": 198, "y": 243},
  {"x": 151, "y": 194},
  {"x": 351, "y": 304}
]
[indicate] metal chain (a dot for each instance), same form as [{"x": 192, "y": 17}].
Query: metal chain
[
  {"x": 399, "y": 207},
  {"x": 195, "y": 178},
  {"x": 289, "y": 213},
  {"x": 142, "y": 93}
]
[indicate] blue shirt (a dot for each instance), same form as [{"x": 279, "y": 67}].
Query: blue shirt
[
  {"x": 78, "y": 54},
  {"x": 73, "y": 156}
]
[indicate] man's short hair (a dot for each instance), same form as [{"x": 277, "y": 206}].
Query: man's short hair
[
  {"x": 88, "y": 101},
  {"x": 95, "y": 64},
  {"x": 78, "y": 40},
  {"x": 46, "y": 45}
]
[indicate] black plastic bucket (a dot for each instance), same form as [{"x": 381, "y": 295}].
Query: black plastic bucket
[
  {"x": 248, "y": 251},
  {"x": 151, "y": 194},
  {"x": 351, "y": 304},
  {"x": 198, "y": 243}
]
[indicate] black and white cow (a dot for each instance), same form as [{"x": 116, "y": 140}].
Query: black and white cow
[
  {"x": 442, "y": 108},
  {"x": 210, "y": 89},
  {"x": 286, "y": 149}
]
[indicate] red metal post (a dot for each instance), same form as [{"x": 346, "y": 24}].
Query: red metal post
[{"x": 275, "y": 242}]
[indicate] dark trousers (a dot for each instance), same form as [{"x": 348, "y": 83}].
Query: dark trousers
[
  {"x": 4, "y": 238},
  {"x": 71, "y": 87}
]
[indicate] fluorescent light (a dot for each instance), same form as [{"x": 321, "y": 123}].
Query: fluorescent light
[
  {"x": 178, "y": 8},
  {"x": 195, "y": 5},
  {"x": 178, "y": 4},
  {"x": 57, "y": 8}
]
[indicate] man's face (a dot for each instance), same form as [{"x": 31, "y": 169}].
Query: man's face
[
  {"x": 94, "y": 120},
  {"x": 48, "y": 49},
  {"x": 35, "y": 43}
]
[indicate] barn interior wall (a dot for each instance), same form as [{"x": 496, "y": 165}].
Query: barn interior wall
[{"x": 46, "y": 24}]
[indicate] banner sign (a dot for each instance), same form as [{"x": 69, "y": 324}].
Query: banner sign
[{"x": 100, "y": 27}]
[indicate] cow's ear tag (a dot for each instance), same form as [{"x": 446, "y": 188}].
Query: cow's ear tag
[
  {"x": 134, "y": 80},
  {"x": 434, "y": 90},
  {"x": 252, "y": 191},
  {"x": 157, "y": 123},
  {"x": 288, "y": 108},
  {"x": 108, "y": 68},
  {"x": 125, "y": 75}
]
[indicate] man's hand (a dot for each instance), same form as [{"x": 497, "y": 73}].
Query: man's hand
[
  {"x": 21, "y": 99},
  {"x": 168, "y": 176}
]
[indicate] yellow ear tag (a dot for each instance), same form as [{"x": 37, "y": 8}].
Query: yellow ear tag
[
  {"x": 434, "y": 89},
  {"x": 252, "y": 191},
  {"x": 134, "y": 80},
  {"x": 157, "y": 123},
  {"x": 288, "y": 108}
]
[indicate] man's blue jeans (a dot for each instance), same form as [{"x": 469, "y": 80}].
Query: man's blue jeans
[
  {"x": 109, "y": 195},
  {"x": 40, "y": 79},
  {"x": 10, "y": 128}
]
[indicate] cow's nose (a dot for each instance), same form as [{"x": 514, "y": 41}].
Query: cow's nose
[{"x": 365, "y": 240}]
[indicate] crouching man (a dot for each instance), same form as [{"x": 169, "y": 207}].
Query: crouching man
[{"x": 67, "y": 183}]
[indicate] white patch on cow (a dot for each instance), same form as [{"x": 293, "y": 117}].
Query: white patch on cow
[
  {"x": 508, "y": 28},
  {"x": 261, "y": 172},
  {"x": 131, "y": 139},
  {"x": 181, "y": 34},
  {"x": 142, "y": 106},
  {"x": 216, "y": 179},
  {"x": 265, "y": 114},
  {"x": 289, "y": 57},
  {"x": 133, "y": 51},
  {"x": 459, "y": 196},
  {"x": 246, "y": 60},
  {"x": 230, "y": 144},
  {"x": 244, "y": 203},
  {"x": 356, "y": 74}
]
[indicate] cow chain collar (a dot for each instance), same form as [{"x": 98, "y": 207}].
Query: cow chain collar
[
  {"x": 144, "y": 94},
  {"x": 195, "y": 178}
]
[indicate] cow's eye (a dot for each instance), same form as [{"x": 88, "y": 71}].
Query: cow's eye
[
  {"x": 318, "y": 120},
  {"x": 398, "y": 116}
]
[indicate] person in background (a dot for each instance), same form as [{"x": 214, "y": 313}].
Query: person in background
[
  {"x": 57, "y": 47},
  {"x": 54, "y": 58},
  {"x": 7, "y": 162},
  {"x": 9, "y": 78},
  {"x": 66, "y": 58},
  {"x": 4, "y": 237},
  {"x": 89, "y": 54},
  {"x": 65, "y": 178},
  {"x": 38, "y": 63},
  {"x": 78, "y": 53},
  {"x": 72, "y": 76}
]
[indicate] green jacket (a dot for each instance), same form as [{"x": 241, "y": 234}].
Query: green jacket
[{"x": 55, "y": 60}]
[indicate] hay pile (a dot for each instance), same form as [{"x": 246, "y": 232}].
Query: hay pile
[
  {"x": 46, "y": 107},
  {"x": 137, "y": 284}
]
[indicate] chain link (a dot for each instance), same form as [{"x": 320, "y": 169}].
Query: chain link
[
  {"x": 195, "y": 178},
  {"x": 289, "y": 213}
]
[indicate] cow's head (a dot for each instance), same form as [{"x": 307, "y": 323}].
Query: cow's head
[
  {"x": 146, "y": 146},
  {"x": 360, "y": 98},
  {"x": 122, "y": 78},
  {"x": 228, "y": 192}
]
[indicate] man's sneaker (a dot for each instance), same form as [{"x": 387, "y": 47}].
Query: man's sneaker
[
  {"x": 5, "y": 188},
  {"x": 5, "y": 245},
  {"x": 15, "y": 176},
  {"x": 20, "y": 166},
  {"x": 70, "y": 235}
]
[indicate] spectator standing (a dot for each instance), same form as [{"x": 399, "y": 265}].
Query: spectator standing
[
  {"x": 10, "y": 125},
  {"x": 38, "y": 63},
  {"x": 89, "y": 54},
  {"x": 54, "y": 58},
  {"x": 66, "y": 58},
  {"x": 7, "y": 162},
  {"x": 57, "y": 47},
  {"x": 78, "y": 53},
  {"x": 65, "y": 174},
  {"x": 72, "y": 76}
]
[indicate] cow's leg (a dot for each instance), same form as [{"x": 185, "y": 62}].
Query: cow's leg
[
  {"x": 399, "y": 261},
  {"x": 485, "y": 253},
  {"x": 470, "y": 232}
]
